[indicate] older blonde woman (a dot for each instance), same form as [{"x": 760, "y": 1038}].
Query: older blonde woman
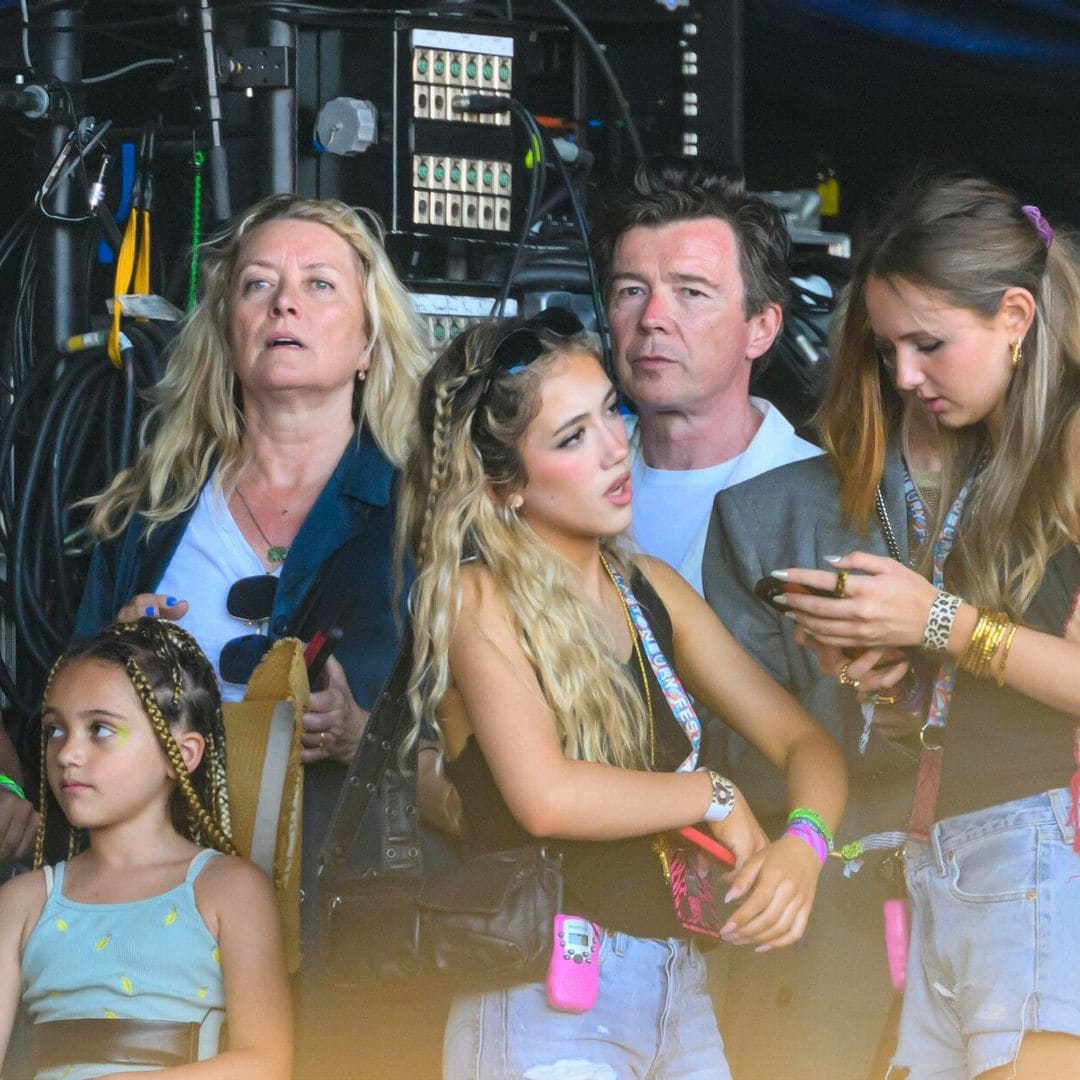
[{"x": 264, "y": 499}]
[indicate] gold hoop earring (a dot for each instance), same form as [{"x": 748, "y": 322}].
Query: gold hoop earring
[{"x": 1017, "y": 353}]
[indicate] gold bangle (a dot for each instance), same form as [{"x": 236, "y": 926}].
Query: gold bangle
[
  {"x": 1005, "y": 654},
  {"x": 974, "y": 646},
  {"x": 993, "y": 640},
  {"x": 984, "y": 642}
]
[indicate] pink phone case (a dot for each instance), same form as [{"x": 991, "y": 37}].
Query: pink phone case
[{"x": 897, "y": 936}]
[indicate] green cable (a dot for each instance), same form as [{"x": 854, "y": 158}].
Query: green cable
[{"x": 196, "y": 229}]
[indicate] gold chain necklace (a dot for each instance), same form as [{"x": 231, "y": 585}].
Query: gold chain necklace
[
  {"x": 275, "y": 553},
  {"x": 659, "y": 844}
]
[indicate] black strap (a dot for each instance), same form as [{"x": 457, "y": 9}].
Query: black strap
[{"x": 374, "y": 765}]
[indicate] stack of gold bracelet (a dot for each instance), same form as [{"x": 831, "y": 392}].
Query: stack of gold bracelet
[{"x": 991, "y": 630}]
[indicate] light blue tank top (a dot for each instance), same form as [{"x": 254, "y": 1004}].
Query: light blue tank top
[{"x": 152, "y": 959}]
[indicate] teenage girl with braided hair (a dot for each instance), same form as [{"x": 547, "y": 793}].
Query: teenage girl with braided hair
[
  {"x": 141, "y": 944},
  {"x": 535, "y": 635}
]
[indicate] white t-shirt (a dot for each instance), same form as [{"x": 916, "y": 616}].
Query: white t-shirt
[
  {"x": 672, "y": 507},
  {"x": 211, "y": 557}
]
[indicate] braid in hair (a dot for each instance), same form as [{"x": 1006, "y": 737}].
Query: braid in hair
[
  {"x": 202, "y": 826},
  {"x": 43, "y": 789},
  {"x": 446, "y": 392}
]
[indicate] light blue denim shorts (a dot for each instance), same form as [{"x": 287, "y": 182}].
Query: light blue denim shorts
[
  {"x": 653, "y": 1018},
  {"x": 995, "y": 912}
]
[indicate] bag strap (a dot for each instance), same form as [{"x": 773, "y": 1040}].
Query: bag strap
[{"x": 388, "y": 724}]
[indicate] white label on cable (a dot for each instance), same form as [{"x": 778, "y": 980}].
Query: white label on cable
[{"x": 139, "y": 306}]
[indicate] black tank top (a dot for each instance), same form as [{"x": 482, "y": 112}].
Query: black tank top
[
  {"x": 1001, "y": 745},
  {"x": 617, "y": 883}
]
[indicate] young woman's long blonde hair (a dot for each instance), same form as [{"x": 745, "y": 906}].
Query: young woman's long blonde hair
[
  {"x": 197, "y": 420},
  {"x": 969, "y": 241},
  {"x": 454, "y": 507}
]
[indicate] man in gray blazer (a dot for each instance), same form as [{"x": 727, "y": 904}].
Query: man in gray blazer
[{"x": 817, "y": 1011}]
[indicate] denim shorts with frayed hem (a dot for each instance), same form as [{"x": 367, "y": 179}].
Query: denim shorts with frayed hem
[
  {"x": 995, "y": 898},
  {"x": 653, "y": 1018}
]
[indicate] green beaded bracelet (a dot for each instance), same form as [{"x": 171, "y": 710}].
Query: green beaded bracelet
[
  {"x": 7, "y": 782},
  {"x": 802, "y": 813}
]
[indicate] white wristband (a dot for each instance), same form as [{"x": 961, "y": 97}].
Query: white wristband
[{"x": 723, "y": 797}]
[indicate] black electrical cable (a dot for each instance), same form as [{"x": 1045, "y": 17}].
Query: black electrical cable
[
  {"x": 602, "y": 61},
  {"x": 583, "y": 231},
  {"x": 85, "y": 402},
  {"x": 536, "y": 183},
  {"x": 31, "y": 620}
]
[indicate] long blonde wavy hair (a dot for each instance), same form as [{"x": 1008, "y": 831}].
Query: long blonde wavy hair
[
  {"x": 969, "y": 241},
  {"x": 197, "y": 420},
  {"x": 454, "y": 507}
]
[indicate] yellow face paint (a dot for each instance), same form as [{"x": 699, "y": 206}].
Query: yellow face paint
[{"x": 122, "y": 734}]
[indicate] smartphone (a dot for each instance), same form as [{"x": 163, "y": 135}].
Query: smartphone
[
  {"x": 769, "y": 588},
  {"x": 573, "y": 978},
  {"x": 707, "y": 844},
  {"x": 318, "y": 650}
]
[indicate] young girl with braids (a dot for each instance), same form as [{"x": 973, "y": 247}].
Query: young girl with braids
[
  {"x": 130, "y": 955},
  {"x": 537, "y": 646}
]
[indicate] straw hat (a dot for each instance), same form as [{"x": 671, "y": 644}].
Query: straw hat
[{"x": 266, "y": 778}]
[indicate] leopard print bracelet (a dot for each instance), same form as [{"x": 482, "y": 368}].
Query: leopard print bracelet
[{"x": 939, "y": 621}]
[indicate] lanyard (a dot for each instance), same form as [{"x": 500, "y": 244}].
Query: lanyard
[
  {"x": 945, "y": 680},
  {"x": 678, "y": 699}
]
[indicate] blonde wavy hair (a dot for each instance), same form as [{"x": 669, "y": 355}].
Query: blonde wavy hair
[
  {"x": 969, "y": 241},
  {"x": 454, "y": 507},
  {"x": 197, "y": 420}
]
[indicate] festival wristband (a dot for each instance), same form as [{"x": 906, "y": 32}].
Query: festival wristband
[
  {"x": 723, "y": 797},
  {"x": 7, "y": 782}
]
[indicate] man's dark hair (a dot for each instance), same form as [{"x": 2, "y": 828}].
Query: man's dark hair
[{"x": 683, "y": 189}]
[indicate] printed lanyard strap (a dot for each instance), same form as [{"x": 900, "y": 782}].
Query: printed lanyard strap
[
  {"x": 945, "y": 680},
  {"x": 682, "y": 708}
]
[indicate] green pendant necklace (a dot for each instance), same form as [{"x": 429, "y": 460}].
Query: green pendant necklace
[{"x": 275, "y": 553}]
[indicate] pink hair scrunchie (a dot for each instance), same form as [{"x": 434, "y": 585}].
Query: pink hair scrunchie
[{"x": 1042, "y": 226}]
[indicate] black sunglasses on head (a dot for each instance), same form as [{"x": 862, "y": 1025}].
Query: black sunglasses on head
[
  {"x": 252, "y": 600},
  {"x": 522, "y": 345}
]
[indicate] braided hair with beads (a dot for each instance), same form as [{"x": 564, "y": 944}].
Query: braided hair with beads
[{"x": 176, "y": 684}]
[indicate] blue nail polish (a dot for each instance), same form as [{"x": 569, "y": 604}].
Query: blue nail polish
[
  {"x": 151, "y": 610},
  {"x": 171, "y": 601}
]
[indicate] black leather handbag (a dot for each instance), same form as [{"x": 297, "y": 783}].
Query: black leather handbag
[{"x": 476, "y": 923}]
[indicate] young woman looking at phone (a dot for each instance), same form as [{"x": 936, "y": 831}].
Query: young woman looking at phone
[{"x": 971, "y": 301}]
